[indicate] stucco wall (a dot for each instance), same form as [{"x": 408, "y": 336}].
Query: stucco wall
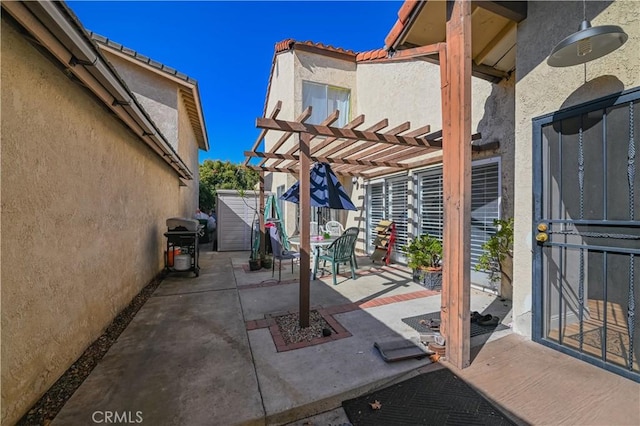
[
  {"x": 282, "y": 82},
  {"x": 541, "y": 90},
  {"x": 410, "y": 91},
  {"x": 188, "y": 152},
  {"x": 84, "y": 203},
  {"x": 157, "y": 95}
]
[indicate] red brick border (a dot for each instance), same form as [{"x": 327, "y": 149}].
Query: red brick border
[{"x": 328, "y": 315}]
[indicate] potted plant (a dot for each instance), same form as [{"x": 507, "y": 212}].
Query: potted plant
[
  {"x": 266, "y": 260},
  {"x": 424, "y": 254},
  {"x": 255, "y": 262},
  {"x": 497, "y": 258}
]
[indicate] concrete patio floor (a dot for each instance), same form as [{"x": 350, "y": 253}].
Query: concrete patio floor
[{"x": 200, "y": 352}]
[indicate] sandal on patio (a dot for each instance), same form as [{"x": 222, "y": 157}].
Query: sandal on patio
[
  {"x": 475, "y": 316},
  {"x": 433, "y": 324},
  {"x": 489, "y": 321}
]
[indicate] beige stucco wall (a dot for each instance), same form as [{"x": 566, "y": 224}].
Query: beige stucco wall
[
  {"x": 541, "y": 90},
  {"x": 282, "y": 82},
  {"x": 188, "y": 152},
  {"x": 157, "y": 95},
  {"x": 410, "y": 91},
  {"x": 84, "y": 203}
]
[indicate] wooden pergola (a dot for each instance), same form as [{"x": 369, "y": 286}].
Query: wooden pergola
[{"x": 372, "y": 153}]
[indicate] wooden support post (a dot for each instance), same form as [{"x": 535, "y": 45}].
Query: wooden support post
[
  {"x": 456, "y": 161},
  {"x": 305, "y": 229},
  {"x": 261, "y": 215}
]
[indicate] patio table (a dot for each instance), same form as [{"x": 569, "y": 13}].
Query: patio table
[{"x": 316, "y": 242}]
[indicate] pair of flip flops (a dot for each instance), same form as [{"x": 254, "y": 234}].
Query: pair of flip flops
[
  {"x": 484, "y": 319},
  {"x": 432, "y": 324}
]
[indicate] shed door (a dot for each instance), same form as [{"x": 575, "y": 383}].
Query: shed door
[{"x": 586, "y": 218}]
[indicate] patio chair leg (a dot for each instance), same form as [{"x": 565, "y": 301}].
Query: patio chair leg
[
  {"x": 353, "y": 270},
  {"x": 280, "y": 270},
  {"x": 335, "y": 270},
  {"x": 315, "y": 268},
  {"x": 355, "y": 262}
]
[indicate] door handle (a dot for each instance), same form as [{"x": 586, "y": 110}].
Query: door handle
[{"x": 542, "y": 236}]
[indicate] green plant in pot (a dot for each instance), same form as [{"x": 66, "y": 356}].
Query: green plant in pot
[
  {"x": 266, "y": 260},
  {"x": 497, "y": 258},
  {"x": 424, "y": 254},
  {"x": 254, "y": 260}
]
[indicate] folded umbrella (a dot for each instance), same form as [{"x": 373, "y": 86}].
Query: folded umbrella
[{"x": 326, "y": 190}]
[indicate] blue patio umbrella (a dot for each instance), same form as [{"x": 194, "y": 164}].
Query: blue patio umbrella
[{"x": 326, "y": 190}]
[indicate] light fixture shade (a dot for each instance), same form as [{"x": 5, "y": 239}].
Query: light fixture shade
[{"x": 587, "y": 44}]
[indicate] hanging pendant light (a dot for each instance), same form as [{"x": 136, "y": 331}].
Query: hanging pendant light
[{"x": 587, "y": 44}]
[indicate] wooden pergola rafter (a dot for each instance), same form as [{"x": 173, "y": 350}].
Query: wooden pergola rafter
[{"x": 363, "y": 153}]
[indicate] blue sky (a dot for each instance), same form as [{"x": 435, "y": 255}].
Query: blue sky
[{"x": 228, "y": 48}]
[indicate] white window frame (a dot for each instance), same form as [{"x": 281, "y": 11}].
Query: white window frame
[{"x": 343, "y": 118}]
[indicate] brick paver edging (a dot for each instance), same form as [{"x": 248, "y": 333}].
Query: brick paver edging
[{"x": 328, "y": 315}]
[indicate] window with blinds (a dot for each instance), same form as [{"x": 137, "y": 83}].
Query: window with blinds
[
  {"x": 430, "y": 206},
  {"x": 398, "y": 212},
  {"x": 485, "y": 195},
  {"x": 375, "y": 210}
]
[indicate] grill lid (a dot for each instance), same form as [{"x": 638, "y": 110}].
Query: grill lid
[{"x": 188, "y": 224}]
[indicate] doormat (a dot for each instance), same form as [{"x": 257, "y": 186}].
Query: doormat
[
  {"x": 617, "y": 342},
  {"x": 476, "y": 329},
  {"x": 435, "y": 398}
]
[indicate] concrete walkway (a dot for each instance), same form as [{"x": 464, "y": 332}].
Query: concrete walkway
[{"x": 202, "y": 351}]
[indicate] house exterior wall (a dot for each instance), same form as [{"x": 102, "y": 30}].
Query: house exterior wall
[
  {"x": 188, "y": 152},
  {"x": 399, "y": 91},
  {"x": 410, "y": 91},
  {"x": 282, "y": 89},
  {"x": 84, "y": 203},
  {"x": 157, "y": 95},
  {"x": 542, "y": 90}
]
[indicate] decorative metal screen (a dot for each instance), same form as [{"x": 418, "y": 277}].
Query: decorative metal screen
[{"x": 587, "y": 207}]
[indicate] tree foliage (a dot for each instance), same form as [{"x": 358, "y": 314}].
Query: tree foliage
[{"x": 216, "y": 174}]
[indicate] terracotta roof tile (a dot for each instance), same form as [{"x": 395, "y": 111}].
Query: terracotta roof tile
[
  {"x": 406, "y": 10},
  {"x": 372, "y": 55},
  {"x": 290, "y": 44}
]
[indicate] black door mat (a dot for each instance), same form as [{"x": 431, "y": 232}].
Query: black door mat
[
  {"x": 399, "y": 349},
  {"x": 476, "y": 329},
  {"x": 434, "y": 398}
]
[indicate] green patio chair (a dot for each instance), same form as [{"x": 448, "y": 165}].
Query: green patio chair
[
  {"x": 353, "y": 231},
  {"x": 340, "y": 251}
]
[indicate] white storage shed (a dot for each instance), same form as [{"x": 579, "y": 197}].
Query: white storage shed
[{"x": 235, "y": 215}]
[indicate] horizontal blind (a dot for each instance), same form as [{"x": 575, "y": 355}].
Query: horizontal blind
[
  {"x": 398, "y": 212},
  {"x": 376, "y": 210},
  {"x": 485, "y": 194},
  {"x": 431, "y": 205}
]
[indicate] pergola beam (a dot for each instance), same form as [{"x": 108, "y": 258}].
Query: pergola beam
[
  {"x": 318, "y": 130},
  {"x": 352, "y": 125},
  {"x": 417, "y": 52},
  {"x": 263, "y": 132},
  {"x": 302, "y": 117},
  {"x": 456, "y": 165},
  {"x": 330, "y": 160}
]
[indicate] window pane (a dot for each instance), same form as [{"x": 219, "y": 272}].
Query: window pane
[
  {"x": 315, "y": 96},
  {"x": 338, "y": 99}
]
